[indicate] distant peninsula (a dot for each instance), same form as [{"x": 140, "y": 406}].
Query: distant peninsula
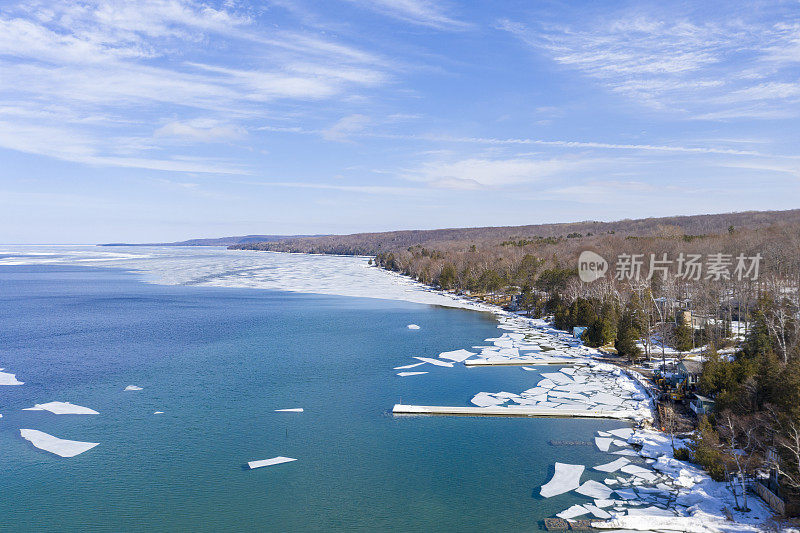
[{"x": 220, "y": 241}]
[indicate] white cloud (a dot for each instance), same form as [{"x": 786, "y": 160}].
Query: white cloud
[
  {"x": 421, "y": 12},
  {"x": 363, "y": 189},
  {"x": 345, "y": 127},
  {"x": 93, "y": 65},
  {"x": 203, "y": 130},
  {"x": 71, "y": 145},
  {"x": 679, "y": 65},
  {"x": 480, "y": 173}
]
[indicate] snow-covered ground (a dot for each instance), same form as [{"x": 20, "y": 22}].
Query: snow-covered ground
[{"x": 652, "y": 491}]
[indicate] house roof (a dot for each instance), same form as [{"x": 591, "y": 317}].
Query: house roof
[{"x": 691, "y": 367}]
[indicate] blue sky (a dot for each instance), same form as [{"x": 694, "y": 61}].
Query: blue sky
[{"x": 169, "y": 119}]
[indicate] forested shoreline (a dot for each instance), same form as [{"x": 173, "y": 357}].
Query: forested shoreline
[{"x": 747, "y": 327}]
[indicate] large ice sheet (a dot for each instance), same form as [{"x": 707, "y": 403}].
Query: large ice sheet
[
  {"x": 62, "y": 408},
  {"x": 61, "y": 447},
  {"x": 567, "y": 477},
  {"x": 269, "y": 462},
  {"x": 320, "y": 274}
]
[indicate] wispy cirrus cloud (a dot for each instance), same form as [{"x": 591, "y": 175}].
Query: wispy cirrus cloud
[
  {"x": 202, "y": 130},
  {"x": 430, "y": 13},
  {"x": 487, "y": 173},
  {"x": 99, "y": 63},
  {"x": 711, "y": 69}
]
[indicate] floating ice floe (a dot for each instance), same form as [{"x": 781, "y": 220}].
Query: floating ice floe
[
  {"x": 623, "y": 433},
  {"x": 62, "y": 408},
  {"x": 594, "y": 489},
  {"x": 606, "y": 503},
  {"x": 597, "y": 511},
  {"x": 269, "y": 462},
  {"x": 9, "y": 379},
  {"x": 458, "y": 356},
  {"x": 629, "y": 453},
  {"x": 61, "y": 447},
  {"x": 613, "y": 466},
  {"x": 573, "y": 512},
  {"x": 158, "y": 413},
  {"x": 434, "y": 361},
  {"x": 404, "y": 374},
  {"x": 603, "y": 443},
  {"x": 484, "y": 399},
  {"x": 412, "y": 326},
  {"x": 566, "y": 478},
  {"x": 290, "y": 410},
  {"x": 404, "y": 367},
  {"x": 132, "y": 387}
]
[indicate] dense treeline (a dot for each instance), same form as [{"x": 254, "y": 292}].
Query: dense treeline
[{"x": 449, "y": 240}]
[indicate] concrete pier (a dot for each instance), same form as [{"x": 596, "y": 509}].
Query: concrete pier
[{"x": 400, "y": 409}]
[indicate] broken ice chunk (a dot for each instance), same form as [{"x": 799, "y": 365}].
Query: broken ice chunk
[
  {"x": 484, "y": 399},
  {"x": 9, "y": 379},
  {"x": 404, "y": 367},
  {"x": 49, "y": 443},
  {"x": 625, "y": 452},
  {"x": 595, "y": 490},
  {"x": 566, "y": 478},
  {"x": 434, "y": 361},
  {"x": 573, "y": 512},
  {"x": 412, "y": 326},
  {"x": 132, "y": 387},
  {"x": 613, "y": 466},
  {"x": 623, "y": 433},
  {"x": 404, "y": 374},
  {"x": 290, "y": 410},
  {"x": 596, "y": 511},
  {"x": 457, "y": 355},
  {"x": 62, "y": 408},
  {"x": 603, "y": 443}
]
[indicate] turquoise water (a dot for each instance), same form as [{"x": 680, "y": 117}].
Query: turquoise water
[{"x": 218, "y": 362}]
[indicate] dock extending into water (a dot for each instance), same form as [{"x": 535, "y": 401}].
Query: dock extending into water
[
  {"x": 525, "y": 411},
  {"x": 525, "y": 362}
]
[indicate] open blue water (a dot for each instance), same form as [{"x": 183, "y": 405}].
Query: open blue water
[{"x": 218, "y": 361}]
